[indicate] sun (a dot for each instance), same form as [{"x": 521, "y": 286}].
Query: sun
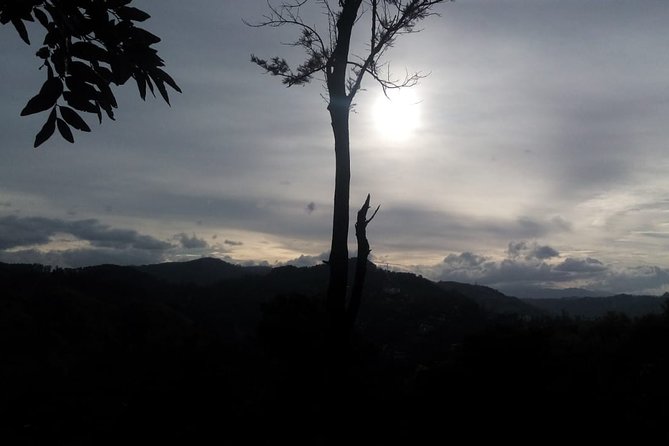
[{"x": 397, "y": 117}]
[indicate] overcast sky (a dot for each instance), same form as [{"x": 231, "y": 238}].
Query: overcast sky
[{"x": 535, "y": 152}]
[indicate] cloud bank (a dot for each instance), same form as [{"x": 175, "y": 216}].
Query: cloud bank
[{"x": 530, "y": 265}]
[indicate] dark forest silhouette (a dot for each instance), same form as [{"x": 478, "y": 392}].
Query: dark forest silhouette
[{"x": 110, "y": 354}]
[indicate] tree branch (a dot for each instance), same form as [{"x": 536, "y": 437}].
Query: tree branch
[{"x": 361, "y": 262}]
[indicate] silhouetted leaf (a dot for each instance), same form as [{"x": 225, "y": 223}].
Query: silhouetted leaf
[
  {"x": 130, "y": 13},
  {"x": 21, "y": 29},
  {"x": 47, "y": 129},
  {"x": 150, "y": 85},
  {"x": 41, "y": 17},
  {"x": 82, "y": 89},
  {"x": 46, "y": 98},
  {"x": 89, "y": 51},
  {"x": 64, "y": 130},
  {"x": 73, "y": 118},
  {"x": 162, "y": 90},
  {"x": 79, "y": 103},
  {"x": 52, "y": 37},
  {"x": 107, "y": 95},
  {"x": 106, "y": 106},
  {"x": 105, "y": 74},
  {"x": 144, "y": 36},
  {"x": 98, "y": 112},
  {"x": 167, "y": 78},
  {"x": 83, "y": 72},
  {"x": 141, "y": 85}
]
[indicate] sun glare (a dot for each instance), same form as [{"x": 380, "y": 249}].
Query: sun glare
[{"x": 397, "y": 116}]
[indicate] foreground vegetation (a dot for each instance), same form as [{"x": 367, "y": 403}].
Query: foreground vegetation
[{"x": 111, "y": 355}]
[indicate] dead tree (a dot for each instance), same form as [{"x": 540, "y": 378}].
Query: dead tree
[{"x": 329, "y": 59}]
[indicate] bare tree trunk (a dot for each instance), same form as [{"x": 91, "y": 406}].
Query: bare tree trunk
[
  {"x": 339, "y": 108},
  {"x": 338, "y": 282}
]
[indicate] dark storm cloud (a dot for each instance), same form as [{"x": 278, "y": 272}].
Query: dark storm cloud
[
  {"x": 16, "y": 231},
  {"x": 105, "y": 237},
  {"x": 190, "y": 242},
  {"x": 75, "y": 258},
  {"x": 464, "y": 260},
  {"x": 527, "y": 264},
  {"x": 497, "y": 273},
  {"x": 521, "y": 272},
  {"x": 587, "y": 265},
  {"x": 650, "y": 279},
  {"x": 544, "y": 252},
  {"x": 531, "y": 251},
  {"x": 25, "y": 231}
]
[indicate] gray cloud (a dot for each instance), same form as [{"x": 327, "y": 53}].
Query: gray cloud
[
  {"x": 527, "y": 264},
  {"x": 640, "y": 279},
  {"x": 531, "y": 251},
  {"x": 75, "y": 258},
  {"x": 307, "y": 260},
  {"x": 26, "y": 231},
  {"x": 191, "y": 242},
  {"x": 587, "y": 265},
  {"x": 103, "y": 236},
  {"x": 464, "y": 260},
  {"x": 520, "y": 271},
  {"x": 233, "y": 242},
  {"x": 16, "y": 231}
]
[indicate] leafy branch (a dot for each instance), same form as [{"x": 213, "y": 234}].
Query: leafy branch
[{"x": 89, "y": 46}]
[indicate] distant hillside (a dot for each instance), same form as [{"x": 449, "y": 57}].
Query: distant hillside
[
  {"x": 204, "y": 271},
  {"x": 548, "y": 293},
  {"x": 399, "y": 310},
  {"x": 225, "y": 286},
  {"x": 594, "y": 307},
  {"x": 491, "y": 300}
]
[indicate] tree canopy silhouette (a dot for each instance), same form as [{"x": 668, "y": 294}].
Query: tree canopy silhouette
[
  {"x": 329, "y": 58},
  {"x": 89, "y": 46}
]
